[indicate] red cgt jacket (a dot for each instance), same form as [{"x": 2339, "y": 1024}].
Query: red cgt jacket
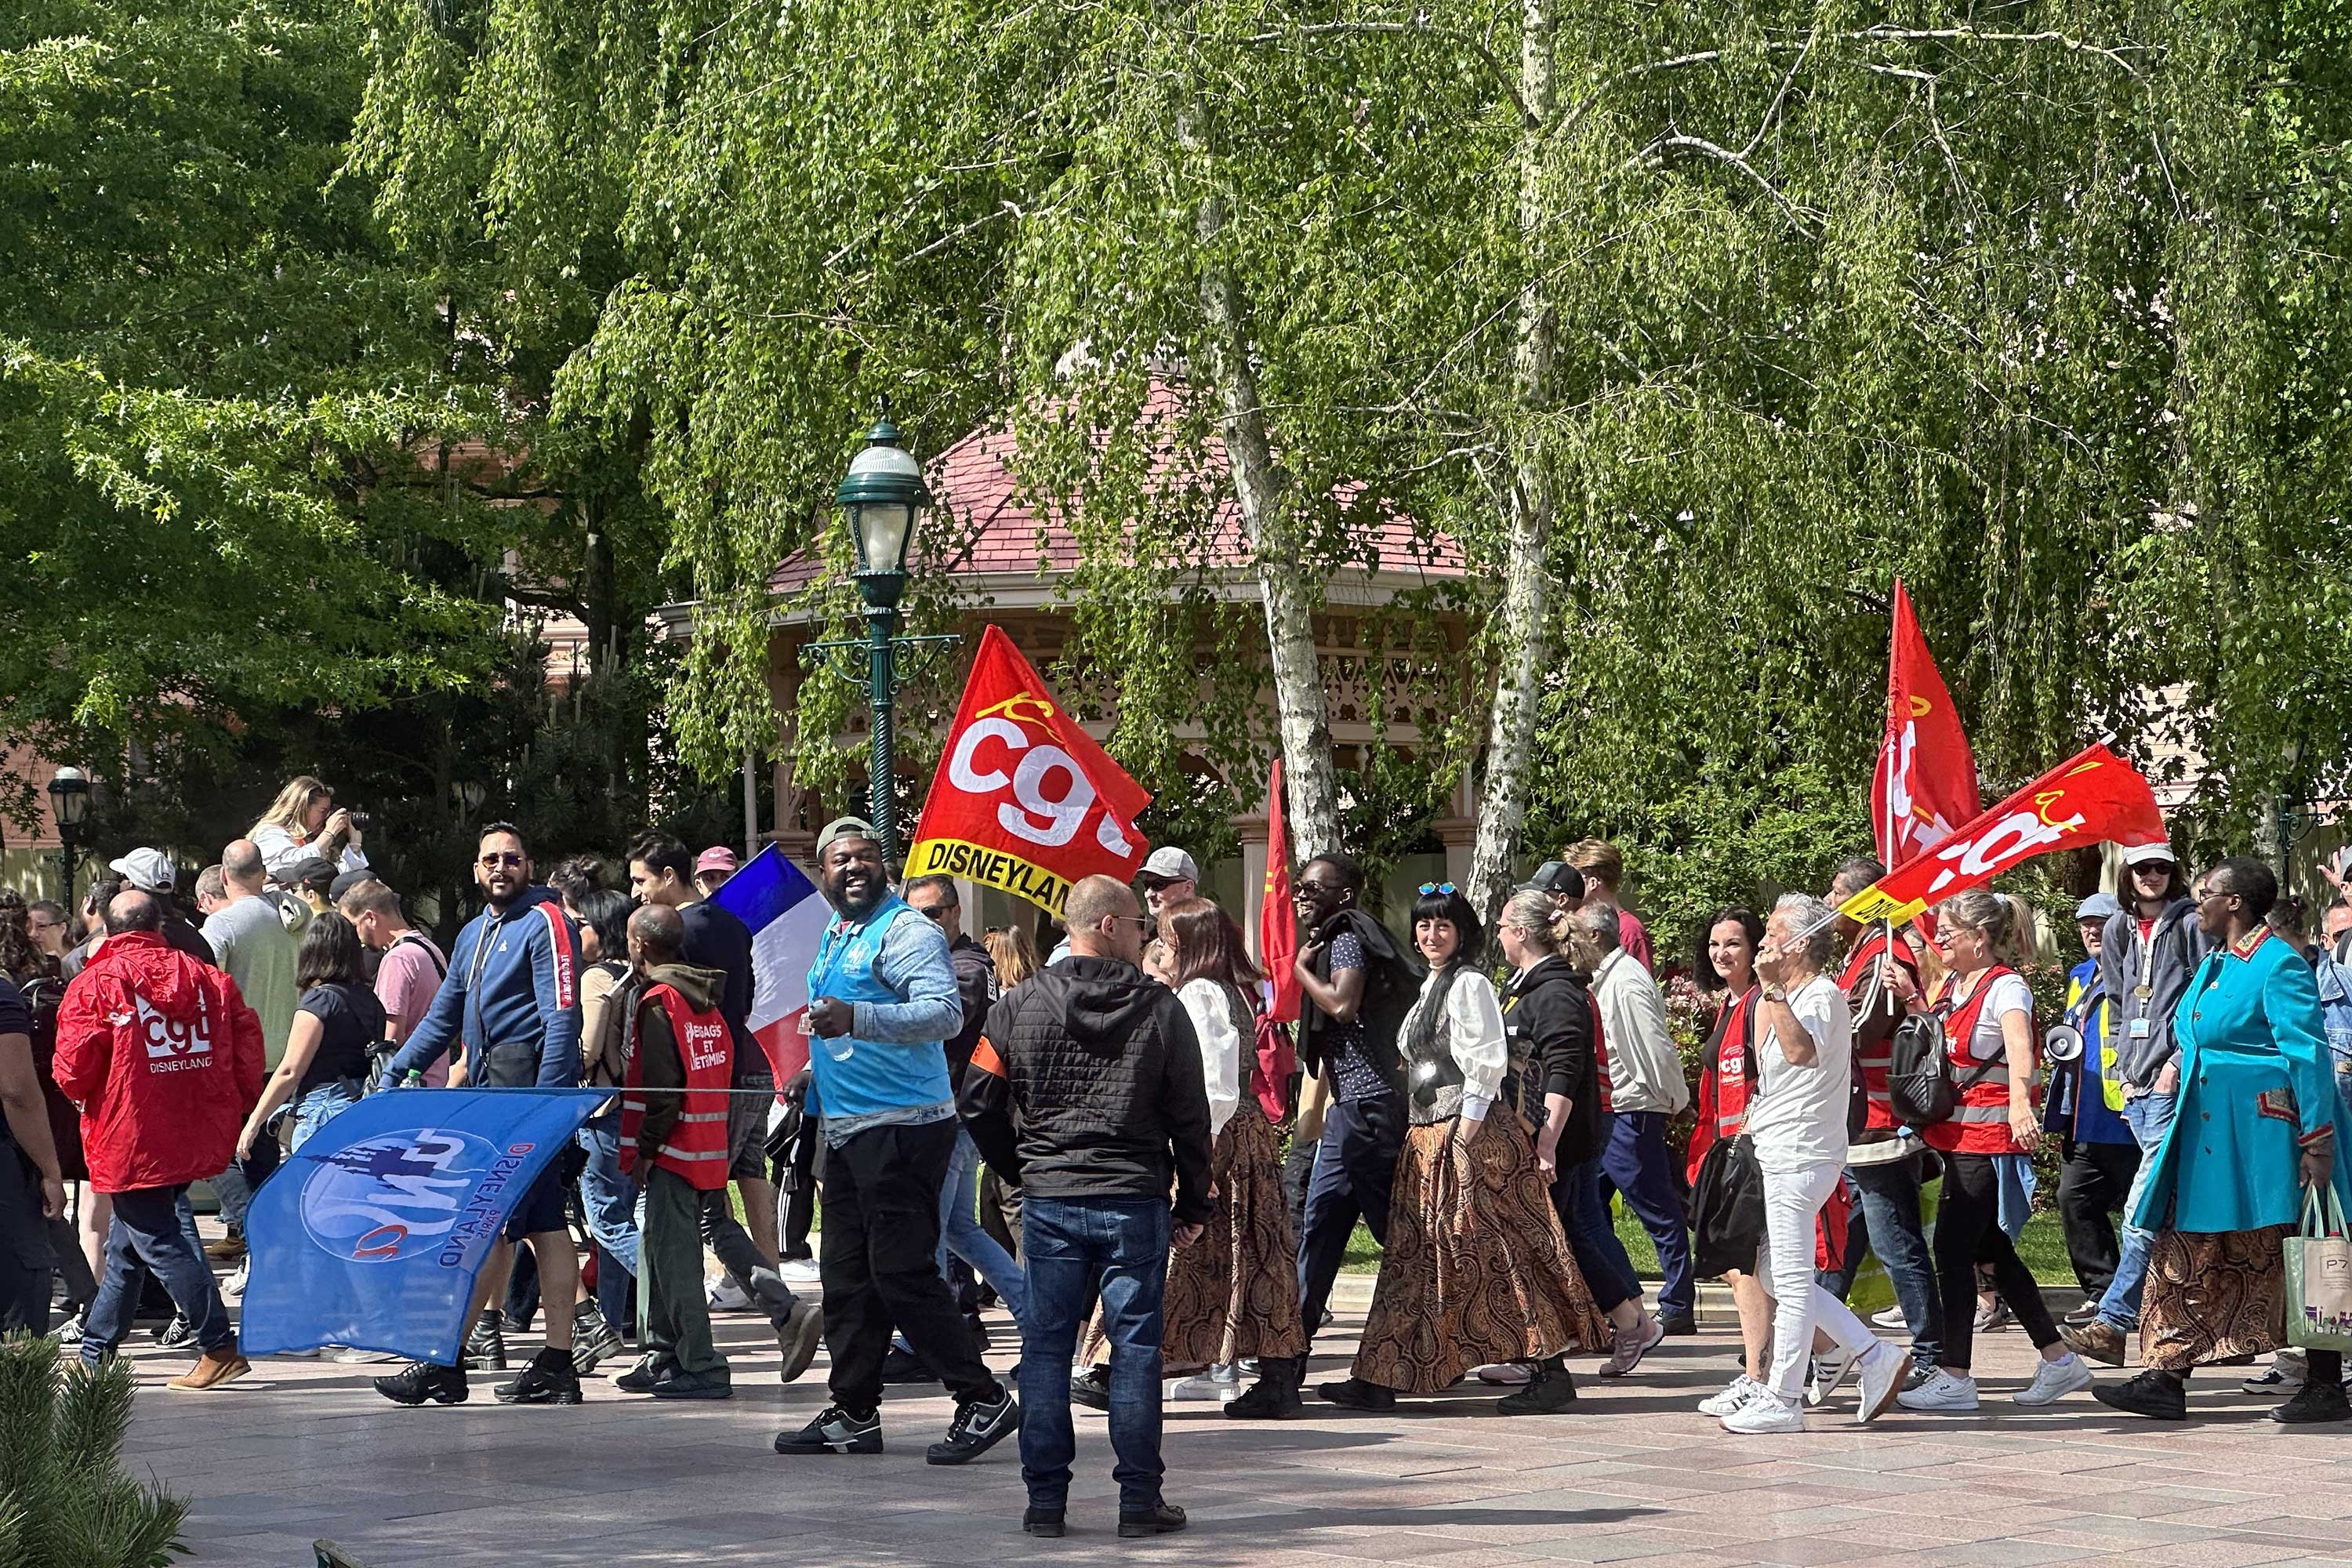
[{"x": 164, "y": 1058}]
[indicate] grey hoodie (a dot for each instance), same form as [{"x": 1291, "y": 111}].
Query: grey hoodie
[{"x": 2142, "y": 1026}]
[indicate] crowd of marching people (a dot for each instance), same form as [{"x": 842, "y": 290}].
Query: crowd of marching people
[{"x": 1098, "y": 1142}]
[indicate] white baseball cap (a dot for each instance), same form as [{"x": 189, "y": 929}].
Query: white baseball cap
[
  {"x": 2142, "y": 854},
  {"x": 148, "y": 869},
  {"x": 1168, "y": 864}
]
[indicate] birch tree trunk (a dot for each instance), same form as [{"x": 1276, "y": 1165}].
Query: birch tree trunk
[
  {"x": 1526, "y": 580},
  {"x": 1260, "y": 488}
]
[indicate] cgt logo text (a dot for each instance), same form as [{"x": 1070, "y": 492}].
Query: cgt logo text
[
  {"x": 173, "y": 1044},
  {"x": 405, "y": 1195}
]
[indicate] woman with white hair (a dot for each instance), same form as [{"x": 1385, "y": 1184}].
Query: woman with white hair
[{"x": 1796, "y": 1123}]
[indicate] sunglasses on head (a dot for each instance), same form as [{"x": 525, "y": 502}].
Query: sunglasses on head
[{"x": 1429, "y": 888}]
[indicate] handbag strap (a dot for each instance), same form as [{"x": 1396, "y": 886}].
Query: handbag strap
[{"x": 2323, "y": 1211}]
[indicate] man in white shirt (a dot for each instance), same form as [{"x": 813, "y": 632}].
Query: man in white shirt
[
  {"x": 1797, "y": 1123},
  {"x": 1646, "y": 1089}
]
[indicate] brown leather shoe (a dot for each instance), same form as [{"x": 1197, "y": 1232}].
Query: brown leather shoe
[
  {"x": 2098, "y": 1339},
  {"x": 222, "y": 1364}
]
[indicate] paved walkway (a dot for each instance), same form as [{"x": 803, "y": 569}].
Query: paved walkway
[{"x": 304, "y": 1450}]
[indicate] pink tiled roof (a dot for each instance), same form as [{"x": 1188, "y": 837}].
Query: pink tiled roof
[{"x": 996, "y": 531}]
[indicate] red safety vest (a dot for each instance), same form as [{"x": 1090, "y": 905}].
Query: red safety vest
[
  {"x": 1873, "y": 1063},
  {"x": 696, "y": 1149},
  {"x": 1722, "y": 1084},
  {"x": 1980, "y": 1125}
]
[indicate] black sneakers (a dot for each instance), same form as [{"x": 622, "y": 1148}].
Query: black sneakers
[
  {"x": 798, "y": 1335},
  {"x": 549, "y": 1379},
  {"x": 1165, "y": 1519},
  {"x": 834, "y": 1431},
  {"x": 1550, "y": 1391},
  {"x": 2158, "y": 1395},
  {"x": 1091, "y": 1388},
  {"x": 486, "y": 1346},
  {"x": 420, "y": 1381},
  {"x": 979, "y": 1425},
  {"x": 650, "y": 1369},
  {"x": 177, "y": 1332},
  {"x": 2316, "y": 1401},
  {"x": 593, "y": 1339},
  {"x": 1274, "y": 1396},
  {"x": 1050, "y": 1522},
  {"x": 1355, "y": 1394}
]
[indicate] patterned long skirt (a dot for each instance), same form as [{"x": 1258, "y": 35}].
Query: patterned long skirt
[
  {"x": 1234, "y": 1292},
  {"x": 2213, "y": 1295},
  {"x": 1476, "y": 1269}
]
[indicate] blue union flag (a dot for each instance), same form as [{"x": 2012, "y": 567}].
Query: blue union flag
[{"x": 372, "y": 1233}]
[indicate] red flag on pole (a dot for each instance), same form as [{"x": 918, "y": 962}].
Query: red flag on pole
[
  {"x": 1926, "y": 782},
  {"x": 2094, "y": 797},
  {"x": 1024, "y": 800},
  {"x": 1278, "y": 922}
]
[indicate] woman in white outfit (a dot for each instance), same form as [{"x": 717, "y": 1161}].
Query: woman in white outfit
[
  {"x": 304, "y": 822},
  {"x": 1797, "y": 1124}
]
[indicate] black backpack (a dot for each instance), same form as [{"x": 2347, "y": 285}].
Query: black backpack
[{"x": 1919, "y": 1084}]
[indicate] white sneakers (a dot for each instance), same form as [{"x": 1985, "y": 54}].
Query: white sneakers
[
  {"x": 1219, "y": 1382},
  {"x": 1883, "y": 1369},
  {"x": 798, "y": 1271},
  {"x": 729, "y": 1296},
  {"x": 1827, "y": 1371},
  {"x": 1941, "y": 1393},
  {"x": 1765, "y": 1411},
  {"x": 1630, "y": 1345},
  {"x": 233, "y": 1288},
  {"x": 1738, "y": 1392},
  {"x": 2054, "y": 1378}
]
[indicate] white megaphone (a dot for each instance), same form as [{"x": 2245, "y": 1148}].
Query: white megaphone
[{"x": 2062, "y": 1042}]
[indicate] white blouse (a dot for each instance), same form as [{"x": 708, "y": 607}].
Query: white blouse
[
  {"x": 281, "y": 851},
  {"x": 1221, "y": 1048},
  {"x": 1475, "y": 1033}
]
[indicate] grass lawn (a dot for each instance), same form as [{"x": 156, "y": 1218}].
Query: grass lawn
[{"x": 2043, "y": 1247}]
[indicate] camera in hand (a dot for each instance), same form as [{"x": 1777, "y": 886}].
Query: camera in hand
[{"x": 358, "y": 819}]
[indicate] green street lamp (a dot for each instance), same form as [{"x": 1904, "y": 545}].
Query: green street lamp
[
  {"x": 881, "y": 499},
  {"x": 70, "y": 808}
]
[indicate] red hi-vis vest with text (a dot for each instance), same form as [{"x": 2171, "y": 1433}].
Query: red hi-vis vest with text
[
  {"x": 1874, "y": 1062},
  {"x": 696, "y": 1149},
  {"x": 1980, "y": 1123},
  {"x": 1723, "y": 1082}
]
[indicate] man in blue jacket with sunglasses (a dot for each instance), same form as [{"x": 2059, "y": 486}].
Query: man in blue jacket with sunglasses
[{"x": 512, "y": 1004}]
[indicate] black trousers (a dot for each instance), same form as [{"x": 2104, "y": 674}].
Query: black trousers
[
  {"x": 1355, "y": 1171},
  {"x": 2093, "y": 1180},
  {"x": 878, "y": 1259},
  {"x": 1967, "y": 1231}
]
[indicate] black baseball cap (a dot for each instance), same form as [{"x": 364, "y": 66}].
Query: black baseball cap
[{"x": 1557, "y": 878}]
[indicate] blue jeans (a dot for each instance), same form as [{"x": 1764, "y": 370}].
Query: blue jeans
[
  {"x": 153, "y": 1226},
  {"x": 2149, "y": 1117},
  {"x": 960, "y": 1234},
  {"x": 1633, "y": 1161},
  {"x": 1892, "y": 1230},
  {"x": 318, "y": 1106},
  {"x": 610, "y": 1199},
  {"x": 1592, "y": 1235},
  {"x": 1075, "y": 1253}
]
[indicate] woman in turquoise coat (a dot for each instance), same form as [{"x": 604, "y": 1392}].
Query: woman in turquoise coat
[{"x": 2258, "y": 1121}]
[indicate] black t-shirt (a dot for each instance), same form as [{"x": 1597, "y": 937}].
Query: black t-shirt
[{"x": 352, "y": 1020}]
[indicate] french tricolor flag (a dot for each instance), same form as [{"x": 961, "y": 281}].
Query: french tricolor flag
[{"x": 787, "y": 916}]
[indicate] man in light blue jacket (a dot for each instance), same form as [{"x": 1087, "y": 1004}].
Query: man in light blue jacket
[{"x": 882, "y": 999}]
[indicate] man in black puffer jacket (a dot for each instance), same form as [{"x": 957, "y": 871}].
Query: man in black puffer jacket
[{"x": 1087, "y": 1093}]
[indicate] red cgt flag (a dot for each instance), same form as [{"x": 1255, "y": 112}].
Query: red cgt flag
[
  {"x": 1926, "y": 782},
  {"x": 1024, "y": 800},
  {"x": 1277, "y": 923},
  {"x": 2094, "y": 798}
]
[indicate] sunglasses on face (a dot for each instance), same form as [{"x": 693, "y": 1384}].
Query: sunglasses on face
[
  {"x": 1429, "y": 888},
  {"x": 493, "y": 859},
  {"x": 937, "y": 913}
]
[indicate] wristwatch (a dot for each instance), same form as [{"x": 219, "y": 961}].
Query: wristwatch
[{"x": 1776, "y": 994}]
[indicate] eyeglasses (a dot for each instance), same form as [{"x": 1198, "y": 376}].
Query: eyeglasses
[
  {"x": 497, "y": 857},
  {"x": 1429, "y": 888},
  {"x": 1139, "y": 919}
]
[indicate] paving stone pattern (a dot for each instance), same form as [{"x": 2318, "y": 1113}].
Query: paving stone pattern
[{"x": 304, "y": 1450}]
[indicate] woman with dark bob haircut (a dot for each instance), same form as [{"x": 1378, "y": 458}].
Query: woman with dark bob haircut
[{"x": 1476, "y": 1269}]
